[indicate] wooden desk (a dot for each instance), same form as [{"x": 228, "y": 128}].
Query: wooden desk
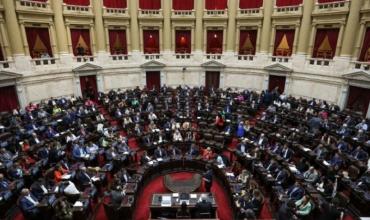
[{"x": 157, "y": 210}]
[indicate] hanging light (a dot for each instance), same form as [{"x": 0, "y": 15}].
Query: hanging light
[{"x": 215, "y": 36}]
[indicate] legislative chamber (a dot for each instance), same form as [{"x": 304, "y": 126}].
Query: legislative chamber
[{"x": 184, "y": 109}]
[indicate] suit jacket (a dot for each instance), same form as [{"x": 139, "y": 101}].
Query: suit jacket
[
  {"x": 26, "y": 205},
  {"x": 160, "y": 153},
  {"x": 295, "y": 192},
  {"x": 286, "y": 154},
  {"x": 193, "y": 152},
  {"x": 83, "y": 178}
]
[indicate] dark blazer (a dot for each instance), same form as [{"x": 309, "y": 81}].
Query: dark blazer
[{"x": 295, "y": 192}]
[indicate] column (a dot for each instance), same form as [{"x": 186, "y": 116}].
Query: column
[
  {"x": 296, "y": 40},
  {"x": 69, "y": 41},
  {"x": 272, "y": 39},
  {"x": 312, "y": 39},
  {"x": 60, "y": 29},
  {"x": 13, "y": 27},
  {"x": 306, "y": 27},
  {"x": 359, "y": 38},
  {"x": 231, "y": 26},
  {"x": 340, "y": 39},
  {"x": 266, "y": 26},
  {"x": 54, "y": 47},
  {"x": 134, "y": 26},
  {"x": 7, "y": 49},
  {"x": 258, "y": 41},
  {"x": 351, "y": 29},
  {"x": 199, "y": 10},
  {"x": 167, "y": 25},
  {"x": 99, "y": 27},
  {"x": 93, "y": 40},
  {"x": 24, "y": 37}
]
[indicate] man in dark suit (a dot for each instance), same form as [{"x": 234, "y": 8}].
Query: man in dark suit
[
  {"x": 82, "y": 177},
  {"x": 208, "y": 178},
  {"x": 160, "y": 153},
  {"x": 295, "y": 192},
  {"x": 286, "y": 153},
  {"x": 281, "y": 177},
  {"x": 203, "y": 208},
  {"x": 193, "y": 151},
  {"x": 360, "y": 154},
  {"x": 29, "y": 204},
  {"x": 242, "y": 148}
]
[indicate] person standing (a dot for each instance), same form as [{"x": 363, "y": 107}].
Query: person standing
[{"x": 208, "y": 178}]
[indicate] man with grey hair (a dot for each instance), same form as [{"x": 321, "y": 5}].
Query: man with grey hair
[{"x": 29, "y": 204}]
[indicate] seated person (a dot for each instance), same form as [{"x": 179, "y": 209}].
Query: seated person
[
  {"x": 29, "y": 204},
  {"x": 173, "y": 151},
  {"x": 320, "y": 152},
  {"x": 145, "y": 158},
  {"x": 360, "y": 154},
  {"x": 193, "y": 151},
  {"x": 286, "y": 153},
  {"x": 160, "y": 153},
  {"x": 304, "y": 206},
  {"x": 203, "y": 208},
  {"x": 295, "y": 192},
  {"x": 244, "y": 176},
  {"x": 311, "y": 175},
  {"x": 220, "y": 161},
  {"x": 207, "y": 154},
  {"x": 261, "y": 141},
  {"x": 177, "y": 136},
  {"x": 336, "y": 161},
  {"x": 122, "y": 176},
  {"x": 242, "y": 147}
]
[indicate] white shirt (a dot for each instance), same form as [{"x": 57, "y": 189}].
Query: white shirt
[
  {"x": 71, "y": 189},
  {"x": 29, "y": 198}
]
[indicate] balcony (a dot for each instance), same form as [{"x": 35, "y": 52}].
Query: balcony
[
  {"x": 250, "y": 13},
  {"x": 280, "y": 59},
  {"x": 43, "y": 61},
  {"x": 213, "y": 56},
  {"x": 115, "y": 12},
  {"x": 294, "y": 11},
  {"x": 77, "y": 10},
  {"x": 33, "y": 6},
  {"x": 319, "y": 61},
  {"x": 153, "y": 56},
  {"x": 183, "y": 14},
  {"x": 361, "y": 65},
  {"x": 84, "y": 59},
  {"x": 119, "y": 57},
  {"x": 183, "y": 56},
  {"x": 215, "y": 14},
  {"x": 338, "y": 7},
  {"x": 150, "y": 14},
  {"x": 245, "y": 57}
]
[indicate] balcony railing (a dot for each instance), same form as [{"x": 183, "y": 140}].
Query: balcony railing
[
  {"x": 25, "y": 5},
  {"x": 6, "y": 64},
  {"x": 361, "y": 65},
  {"x": 247, "y": 13},
  {"x": 288, "y": 10},
  {"x": 245, "y": 57},
  {"x": 213, "y": 56},
  {"x": 319, "y": 61},
  {"x": 43, "y": 61},
  {"x": 154, "y": 56},
  {"x": 280, "y": 59},
  {"x": 119, "y": 57},
  {"x": 77, "y": 9},
  {"x": 145, "y": 13},
  {"x": 84, "y": 59},
  {"x": 215, "y": 14},
  {"x": 183, "y": 14},
  {"x": 330, "y": 6},
  {"x": 115, "y": 11},
  {"x": 182, "y": 56}
]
